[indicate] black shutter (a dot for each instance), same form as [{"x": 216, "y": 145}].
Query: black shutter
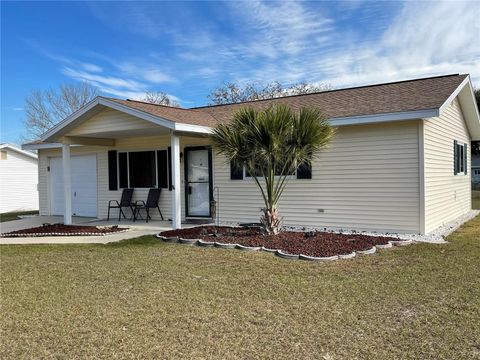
[
  {"x": 465, "y": 159},
  {"x": 169, "y": 155},
  {"x": 123, "y": 170},
  {"x": 162, "y": 169},
  {"x": 304, "y": 171},
  {"x": 112, "y": 170},
  {"x": 455, "y": 157},
  {"x": 236, "y": 172}
]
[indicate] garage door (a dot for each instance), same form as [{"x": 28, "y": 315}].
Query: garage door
[{"x": 84, "y": 186}]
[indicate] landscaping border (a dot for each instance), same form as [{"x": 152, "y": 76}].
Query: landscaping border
[
  {"x": 7, "y": 235},
  {"x": 284, "y": 255}
]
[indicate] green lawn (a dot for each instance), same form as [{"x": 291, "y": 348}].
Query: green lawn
[
  {"x": 147, "y": 299},
  {"x": 476, "y": 199},
  {"x": 9, "y": 216}
]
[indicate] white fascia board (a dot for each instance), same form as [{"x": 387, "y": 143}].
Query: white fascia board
[
  {"x": 70, "y": 119},
  {"x": 193, "y": 128},
  {"x": 454, "y": 95},
  {"x": 43, "y": 146},
  {"x": 386, "y": 117},
  {"x": 468, "y": 104},
  {"x": 20, "y": 151}
]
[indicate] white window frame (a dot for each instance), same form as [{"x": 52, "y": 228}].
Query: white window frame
[{"x": 461, "y": 158}]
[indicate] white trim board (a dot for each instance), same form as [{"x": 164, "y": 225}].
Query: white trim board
[
  {"x": 18, "y": 150},
  {"x": 386, "y": 117}
]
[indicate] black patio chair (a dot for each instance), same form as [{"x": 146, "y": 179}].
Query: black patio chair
[
  {"x": 125, "y": 201},
  {"x": 152, "y": 203}
]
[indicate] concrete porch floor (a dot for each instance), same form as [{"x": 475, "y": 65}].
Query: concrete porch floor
[{"x": 136, "y": 229}]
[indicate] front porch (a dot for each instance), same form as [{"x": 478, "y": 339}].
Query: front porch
[{"x": 123, "y": 147}]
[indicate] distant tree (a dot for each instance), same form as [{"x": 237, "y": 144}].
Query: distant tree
[
  {"x": 160, "y": 98},
  {"x": 45, "y": 108},
  {"x": 233, "y": 92}
]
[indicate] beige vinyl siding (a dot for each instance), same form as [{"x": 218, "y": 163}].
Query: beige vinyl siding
[
  {"x": 103, "y": 193},
  {"x": 107, "y": 120},
  {"x": 447, "y": 196},
  {"x": 367, "y": 180}
]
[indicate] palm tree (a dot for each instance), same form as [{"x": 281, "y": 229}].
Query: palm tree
[{"x": 271, "y": 144}]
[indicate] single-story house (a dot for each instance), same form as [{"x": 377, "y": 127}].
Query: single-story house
[
  {"x": 18, "y": 179},
  {"x": 399, "y": 162}
]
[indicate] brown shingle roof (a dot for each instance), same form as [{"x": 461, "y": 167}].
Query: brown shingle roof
[
  {"x": 401, "y": 96},
  {"x": 410, "y": 95},
  {"x": 186, "y": 116}
]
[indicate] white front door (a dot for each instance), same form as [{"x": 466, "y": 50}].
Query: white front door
[
  {"x": 198, "y": 182},
  {"x": 84, "y": 186}
]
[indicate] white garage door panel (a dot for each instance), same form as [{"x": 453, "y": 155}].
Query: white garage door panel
[{"x": 84, "y": 185}]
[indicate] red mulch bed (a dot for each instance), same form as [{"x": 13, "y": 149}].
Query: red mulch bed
[
  {"x": 319, "y": 244},
  {"x": 64, "y": 230}
]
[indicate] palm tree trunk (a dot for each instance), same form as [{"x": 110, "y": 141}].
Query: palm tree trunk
[{"x": 271, "y": 220}]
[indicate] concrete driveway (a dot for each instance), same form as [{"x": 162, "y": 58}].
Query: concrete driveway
[{"x": 136, "y": 229}]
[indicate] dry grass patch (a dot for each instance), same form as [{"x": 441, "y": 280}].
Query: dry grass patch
[
  {"x": 143, "y": 298},
  {"x": 9, "y": 216}
]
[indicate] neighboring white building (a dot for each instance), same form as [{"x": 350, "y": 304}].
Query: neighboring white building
[
  {"x": 399, "y": 162},
  {"x": 18, "y": 179}
]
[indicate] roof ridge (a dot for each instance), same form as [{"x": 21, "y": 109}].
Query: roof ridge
[
  {"x": 327, "y": 91},
  {"x": 161, "y": 105}
]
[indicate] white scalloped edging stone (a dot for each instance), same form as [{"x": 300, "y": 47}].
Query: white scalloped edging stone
[
  {"x": 248, "y": 248},
  {"x": 272, "y": 251},
  {"x": 401, "y": 242},
  {"x": 171, "y": 239},
  {"x": 347, "y": 256},
  {"x": 62, "y": 234},
  {"x": 205, "y": 243},
  {"x": 314, "y": 258},
  {"x": 388, "y": 245},
  {"x": 367, "y": 252},
  {"x": 188, "y": 241},
  {"x": 225, "y": 245},
  {"x": 285, "y": 255}
]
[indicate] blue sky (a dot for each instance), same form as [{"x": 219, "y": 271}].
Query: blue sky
[{"x": 187, "y": 49}]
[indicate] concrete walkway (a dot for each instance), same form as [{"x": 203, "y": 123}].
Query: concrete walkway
[{"x": 136, "y": 229}]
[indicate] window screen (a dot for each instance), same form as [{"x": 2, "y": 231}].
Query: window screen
[{"x": 142, "y": 170}]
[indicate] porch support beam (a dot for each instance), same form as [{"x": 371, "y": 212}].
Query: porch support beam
[
  {"x": 176, "y": 188},
  {"x": 67, "y": 184},
  {"x": 79, "y": 140}
]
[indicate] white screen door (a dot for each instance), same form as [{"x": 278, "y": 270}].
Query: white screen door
[{"x": 198, "y": 182}]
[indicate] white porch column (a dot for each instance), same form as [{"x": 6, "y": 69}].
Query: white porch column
[
  {"x": 176, "y": 188},
  {"x": 67, "y": 184}
]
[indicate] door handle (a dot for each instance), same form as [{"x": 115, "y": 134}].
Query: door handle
[
  {"x": 75, "y": 193},
  {"x": 189, "y": 190}
]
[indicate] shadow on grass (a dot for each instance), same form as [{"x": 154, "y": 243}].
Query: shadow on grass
[{"x": 142, "y": 240}]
